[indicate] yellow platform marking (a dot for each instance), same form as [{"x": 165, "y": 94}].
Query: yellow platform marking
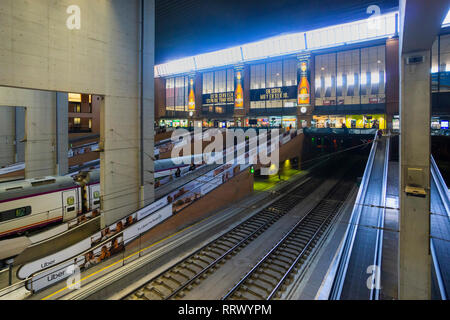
[{"x": 130, "y": 256}]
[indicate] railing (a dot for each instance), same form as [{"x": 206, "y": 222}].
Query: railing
[
  {"x": 124, "y": 241},
  {"x": 440, "y": 132},
  {"x": 350, "y": 235},
  {"x": 375, "y": 290},
  {"x": 12, "y": 168},
  {"x": 445, "y": 198},
  {"x": 340, "y": 131},
  {"x": 442, "y": 187}
]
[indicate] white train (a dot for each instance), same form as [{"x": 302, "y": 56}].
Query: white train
[{"x": 31, "y": 204}]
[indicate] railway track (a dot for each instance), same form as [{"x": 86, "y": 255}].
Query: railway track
[
  {"x": 188, "y": 273},
  {"x": 275, "y": 270}
]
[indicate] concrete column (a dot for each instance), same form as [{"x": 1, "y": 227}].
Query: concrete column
[
  {"x": 40, "y": 128},
  {"x": 7, "y": 136},
  {"x": 62, "y": 137},
  {"x": 120, "y": 157},
  {"x": 415, "y": 144},
  {"x": 420, "y": 22},
  {"x": 40, "y": 135},
  {"x": 104, "y": 62},
  {"x": 20, "y": 134},
  {"x": 147, "y": 111}
]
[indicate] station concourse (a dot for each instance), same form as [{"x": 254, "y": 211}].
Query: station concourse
[{"x": 330, "y": 146}]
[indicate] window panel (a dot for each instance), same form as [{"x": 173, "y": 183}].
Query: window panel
[
  {"x": 257, "y": 76},
  {"x": 274, "y": 77},
  {"x": 220, "y": 81},
  {"x": 290, "y": 72},
  {"x": 170, "y": 94},
  {"x": 208, "y": 83},
  {"x": 444, "y": 67},
  {"x": 180, "y": 100},
  {"x": 230, "y": 80}
]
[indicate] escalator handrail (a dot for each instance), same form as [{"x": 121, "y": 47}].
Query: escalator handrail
[
  {"x": 442, "y": 186},
  {"x": 349, "y": 237}
]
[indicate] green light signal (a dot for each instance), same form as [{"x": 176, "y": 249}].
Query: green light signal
[{"x": 252, "y": 170}]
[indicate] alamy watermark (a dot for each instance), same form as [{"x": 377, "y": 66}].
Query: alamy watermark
[
  {"x": 73, "y": 22},
  {"x": 250, "y": 147}
]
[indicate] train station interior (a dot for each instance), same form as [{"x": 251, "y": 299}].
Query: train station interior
[{"x": 306, "y": 164}]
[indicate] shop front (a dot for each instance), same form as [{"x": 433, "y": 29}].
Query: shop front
[
  {"x": 174, "y": 123},
  {"x": 377, "y": 121},
  {"x": 218, "y": 123},
  {"x": 440, "y": 123},
  {"x": 272, "y": 122}
]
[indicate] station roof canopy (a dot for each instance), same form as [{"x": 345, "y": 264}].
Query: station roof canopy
[{"x": 379, "y": 27}]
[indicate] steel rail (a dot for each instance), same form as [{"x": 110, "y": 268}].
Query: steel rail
[
  {"x": 310, "y": 214},
  {"x": 263, "y": 211}
]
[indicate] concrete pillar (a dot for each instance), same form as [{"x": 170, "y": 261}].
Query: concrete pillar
[
  {"x": 420, "y": 22},
  {"x": 120, "y": 157},
  {"x": 20, "y": 134},
  {"x": 40, "y": 128},
  {"x": 40, "y": 135},
  {"x": 7, "y": 136},
  {"x": 147, "y": 110},
  {"x": 415, "y": 144},
  {"x": 62, "y": 136},
  {"x": 101, "y": 57}
]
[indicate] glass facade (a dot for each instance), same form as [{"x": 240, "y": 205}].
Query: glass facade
[
  {"x": 440, "y": 67},
  {"x": 218, "y": 91},
  {"x": 351, "y": 77},
  {"x": 177, "y": 94},
  {"x": 353, "y": 32},
  {"x": 218, "y": 81},
  {"x": 273, "y": 75}
]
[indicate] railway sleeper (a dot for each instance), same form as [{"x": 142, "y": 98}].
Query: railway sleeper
[{"x": 261, "y": 277}]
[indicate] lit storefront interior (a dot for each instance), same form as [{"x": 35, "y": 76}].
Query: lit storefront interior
[
  {"x": 176, "y": 123},
  {"x": 440, "y": 123},
  {"x": 377, "y": 121},
  {"x": 273, "y": 122}
]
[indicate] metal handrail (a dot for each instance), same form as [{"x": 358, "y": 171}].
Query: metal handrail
[
  {"x": 375, "y": 291},
  {"x": 444, "y": 195},
  {"x": 442, "y": 187},
  {"x": 350, "y": 234},
  {"x": 437, "y": 270},
  {"x": 61, "y": 264}
]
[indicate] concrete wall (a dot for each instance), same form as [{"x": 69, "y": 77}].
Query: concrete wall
[
  {"x": 160, "y": 98},
  {"x": 62, "y": 133},
  {"x": 234, "y": 190},
  {"x": 7, "y": 136},
  {"x": 40, "y": 128},
  {"x": 20, "y": 134},
  {"x": 392, "y": 80},
  {"x": 38, "y": 51}
]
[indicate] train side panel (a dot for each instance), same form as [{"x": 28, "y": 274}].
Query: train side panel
[{"x": 28, "y": 213}]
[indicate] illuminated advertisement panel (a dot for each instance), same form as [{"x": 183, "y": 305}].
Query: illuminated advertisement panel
[
  {"x": 191, "y": 95},
  {"x": 304, "y": 92},
  {"x": 239, "y": 91}
]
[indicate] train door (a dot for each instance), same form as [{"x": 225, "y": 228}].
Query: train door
[
  {"x": 94, "y": 196},
  {"x": 70, "y": 204}
]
